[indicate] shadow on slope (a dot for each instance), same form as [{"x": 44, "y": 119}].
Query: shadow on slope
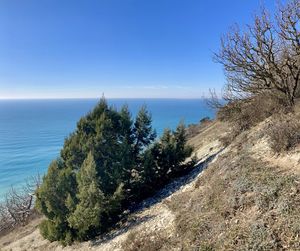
[
  {"x": 165, "y": 192},
  {"x": 176, "y": 184}
]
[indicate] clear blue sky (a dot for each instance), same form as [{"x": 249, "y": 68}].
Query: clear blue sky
[{"x": 122, "y": 48}]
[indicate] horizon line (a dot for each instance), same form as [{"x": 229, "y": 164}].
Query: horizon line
[{"x": 85, "y": 98}]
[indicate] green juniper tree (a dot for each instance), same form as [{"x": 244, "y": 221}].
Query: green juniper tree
[
  {"x": 57, "y": 186},
  {"x": 108, "y": 163},
  {"x": 91, "y": 200},
  {"x": 143, "y": 132}
]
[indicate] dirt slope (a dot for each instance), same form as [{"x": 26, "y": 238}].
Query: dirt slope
[
  {"x": 154, "y": 214},
  {"x": 248, "y": 199},
  {"x": 242, "y": 197}
]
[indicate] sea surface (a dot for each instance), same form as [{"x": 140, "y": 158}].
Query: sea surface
[{"x": 32, "y": 132}]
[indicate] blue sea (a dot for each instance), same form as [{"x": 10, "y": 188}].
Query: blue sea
[{"x": 32, "y": 132}]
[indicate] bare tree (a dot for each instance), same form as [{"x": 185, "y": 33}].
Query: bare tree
[
  {"x": 214, "y": 101},
  {"x": 265, "y": 57},
  {"x": 18, "y": 204}
]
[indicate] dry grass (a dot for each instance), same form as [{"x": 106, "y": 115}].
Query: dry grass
[
  {"x": 146, "y": 241},
  {"x": 20, "y": 232},
  {"x": 194, "y": 129},
  {"x": 247, "y": 113},
  {"x": 240, "y": 204},
  {"x": 284, "y": 132}
]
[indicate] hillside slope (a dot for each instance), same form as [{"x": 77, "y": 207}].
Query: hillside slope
[{"x": 241, "y": 197}]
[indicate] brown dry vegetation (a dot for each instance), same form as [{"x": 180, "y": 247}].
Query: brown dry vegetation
[
  {"x": 146, "y": 241},
  {"x": 284, "y": 132},
  {"x": 242, "y": 201},
  {"x": 17, "y": 209},
  {"x": 240, "y": 204},
  {"x": 245, "y": 114},
  {"x": 248, "y": 198}
]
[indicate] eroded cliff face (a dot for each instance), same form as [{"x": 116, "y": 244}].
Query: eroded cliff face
[{"x": 239, "y": 197}]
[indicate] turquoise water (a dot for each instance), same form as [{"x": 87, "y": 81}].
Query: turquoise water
[{"x": 32, "y": 132}]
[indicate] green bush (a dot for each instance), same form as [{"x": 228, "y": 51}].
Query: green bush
[{"x": 107, "y": 164}]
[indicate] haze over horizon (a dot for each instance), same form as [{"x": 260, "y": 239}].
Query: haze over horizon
[{"x": 124, "y": 49}]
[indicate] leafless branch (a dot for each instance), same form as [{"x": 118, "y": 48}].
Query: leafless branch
[
  {"x": 265, "y": 57},
  {"x": 18, "y": 204}
]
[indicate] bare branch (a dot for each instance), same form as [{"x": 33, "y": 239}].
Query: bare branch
[
  {"x": 213, "y": 101},
  {"x": 18, "y": 204},
  {"x": 265, "y": 57}
]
